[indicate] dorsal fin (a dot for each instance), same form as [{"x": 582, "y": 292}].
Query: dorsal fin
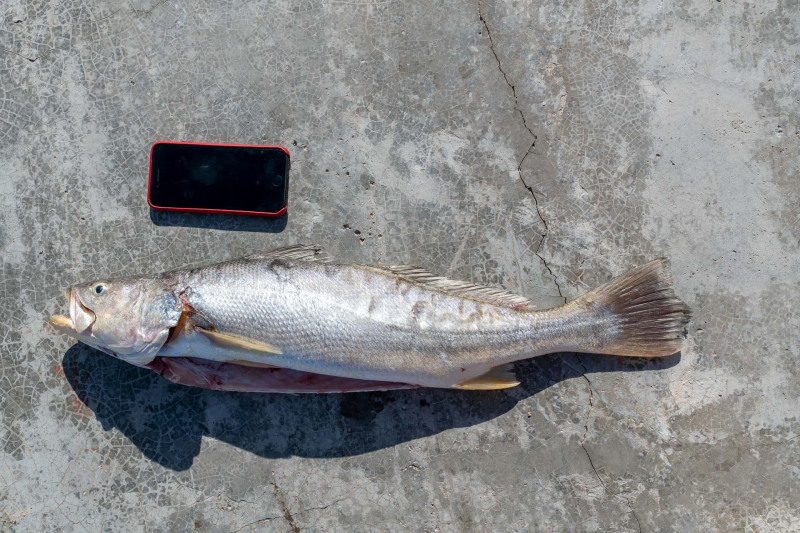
[
  {"x": 462, "y": 289},
  {"x": 500, "y": 377},
  {"x": 297, "y": 252},
  {"x": 482, "y": 293}
]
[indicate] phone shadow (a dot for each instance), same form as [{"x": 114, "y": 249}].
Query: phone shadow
[
  {"x": 220, "y": 222},
  {"x": 166, "y": 422}
]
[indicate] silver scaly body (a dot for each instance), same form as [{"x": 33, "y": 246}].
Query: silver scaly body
[{"x": 365, "y": 322}]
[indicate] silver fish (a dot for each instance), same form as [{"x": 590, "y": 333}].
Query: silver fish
[{"x": 289, "y": 320}]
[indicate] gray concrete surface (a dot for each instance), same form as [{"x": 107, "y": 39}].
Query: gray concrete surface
[{"x": 540, "y": 146}]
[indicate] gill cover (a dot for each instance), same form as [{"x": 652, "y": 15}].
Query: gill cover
[{"x": 132, "y": 316}]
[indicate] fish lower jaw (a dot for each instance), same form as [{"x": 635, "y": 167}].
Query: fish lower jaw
[
  {"x": 64, "y": 324},
  {"x": 61, "y": 321}
]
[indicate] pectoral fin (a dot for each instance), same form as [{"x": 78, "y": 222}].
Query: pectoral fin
[
  {"x": 237, "y": 342},
  {"x": 253, "y": 364},
  {"x": 500, "y": 377}
]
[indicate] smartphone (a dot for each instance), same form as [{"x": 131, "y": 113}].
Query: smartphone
[{"x": 239, "y": 179}]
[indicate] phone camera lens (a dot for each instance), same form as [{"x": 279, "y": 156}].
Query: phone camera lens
[{"x": 277, "y": 180}]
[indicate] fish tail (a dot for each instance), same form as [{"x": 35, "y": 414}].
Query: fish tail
[{"x": 641, "y": 314}]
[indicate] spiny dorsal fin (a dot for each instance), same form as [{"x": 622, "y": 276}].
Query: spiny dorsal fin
[
  {"x": 500, "y": 377},
  {"x": 297, "y": 252},
  {"x": 462, "y": 289},
  {"x": 237, "y": 342}
]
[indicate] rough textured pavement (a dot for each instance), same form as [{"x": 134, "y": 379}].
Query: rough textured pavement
[{"x": 537, "y": 145}]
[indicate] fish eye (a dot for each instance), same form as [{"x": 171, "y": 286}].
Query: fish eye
[{"x": 99, "y": 289}]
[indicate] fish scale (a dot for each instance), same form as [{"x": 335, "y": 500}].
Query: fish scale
[{"x": 319, "y": 315}]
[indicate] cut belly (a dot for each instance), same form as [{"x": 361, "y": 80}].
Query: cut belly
[{"x": 216, "y": 375}]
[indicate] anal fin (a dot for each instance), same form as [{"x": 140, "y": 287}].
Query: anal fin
[
  {"x": 499, "y": 377},
  {"x": 237, "y": 342}
]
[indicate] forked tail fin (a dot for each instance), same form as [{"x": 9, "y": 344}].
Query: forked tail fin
[{"x": 646, "y": 318}]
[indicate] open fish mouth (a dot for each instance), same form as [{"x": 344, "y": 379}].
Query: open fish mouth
[{"x": 79, "y": 323}]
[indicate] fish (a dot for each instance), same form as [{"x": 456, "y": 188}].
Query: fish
[{"x": 293, "y": 320}]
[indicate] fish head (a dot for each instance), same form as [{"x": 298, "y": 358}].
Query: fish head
[{"x": 129, "y": 318}]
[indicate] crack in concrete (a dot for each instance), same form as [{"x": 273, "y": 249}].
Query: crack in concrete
[
  {"x": 256, "y": 522},
  {"x": 287, "y": 513},
  {"x": 583, "y": 440},
  {"x": 146, "y": 12},
  {"x": 528, "y": 151},
  {"x": 637, "y": 518},
  {"x": 586, "y": 421},
  {"x": 319, "y": 508},
  {"x": 555, "y": 279},
  {"x": 20, "y": 55}
]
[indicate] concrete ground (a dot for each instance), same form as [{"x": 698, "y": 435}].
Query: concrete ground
[{"x": 536, "y": 145}]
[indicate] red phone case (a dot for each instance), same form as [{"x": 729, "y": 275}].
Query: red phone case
[{"x": 217, "y": 211}]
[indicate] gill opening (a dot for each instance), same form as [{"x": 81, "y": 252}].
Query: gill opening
[{"x": 182, "y": 323}]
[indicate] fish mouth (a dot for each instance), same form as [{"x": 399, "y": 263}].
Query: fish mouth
[{"x": 79, "y": 323}]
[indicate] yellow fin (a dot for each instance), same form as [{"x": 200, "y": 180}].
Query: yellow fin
[
  {"x": 242, "y": 362},
  {"x": 500, "y": 377},
  {"x": 237, "y": 342}
]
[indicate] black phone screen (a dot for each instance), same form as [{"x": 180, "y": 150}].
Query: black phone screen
[{"x": 219, "y": 177}]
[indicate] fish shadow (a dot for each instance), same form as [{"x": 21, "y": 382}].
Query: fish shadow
[
  {"x": 167, "y": 422},
  {"x": 219, "y": 221}
]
